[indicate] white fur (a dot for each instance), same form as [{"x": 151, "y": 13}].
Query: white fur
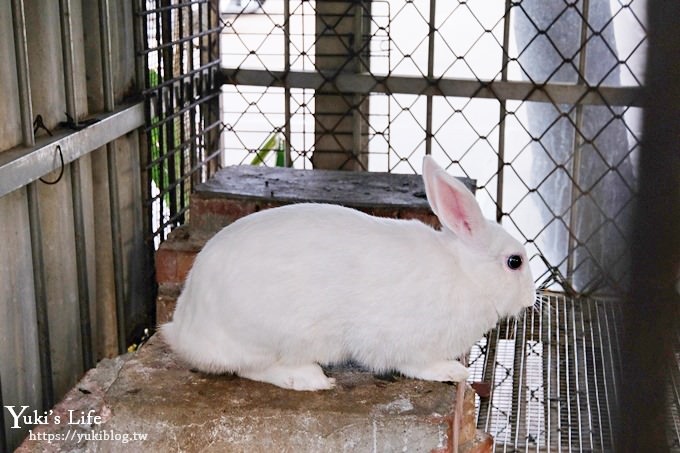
[{"x": 280, "y": 291}]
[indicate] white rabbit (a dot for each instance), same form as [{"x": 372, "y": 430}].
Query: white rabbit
[{"x": 278, "y": 292}]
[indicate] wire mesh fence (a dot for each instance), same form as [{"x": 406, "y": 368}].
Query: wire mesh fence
[
  {"x": 539, "y": 102},
  {"x": 181, "y": 62}
]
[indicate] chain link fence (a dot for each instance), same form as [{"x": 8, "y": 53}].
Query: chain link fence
[{"x": 539, "y": 102}]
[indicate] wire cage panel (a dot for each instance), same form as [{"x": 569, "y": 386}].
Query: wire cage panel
[
  {"x": 538, "y": 102},
  {"x": 181, "y": 61},
  {"x": 554, "y": 377}
]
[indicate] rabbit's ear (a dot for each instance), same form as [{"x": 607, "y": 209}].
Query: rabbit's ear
[{"x": 453, "y": 203}]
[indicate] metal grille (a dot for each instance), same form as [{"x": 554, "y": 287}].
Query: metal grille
[
  {"x": 537, "y": 101},
  {"x": 554, "y": 375},
  {"x": 183, "y": 120}
]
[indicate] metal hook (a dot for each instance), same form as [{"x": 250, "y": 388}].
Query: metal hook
[
  {"x": 61, "y": 170},
  {"x": 39, "y": 124}
]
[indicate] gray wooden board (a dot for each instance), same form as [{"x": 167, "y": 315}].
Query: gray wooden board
[{"x": 368, "y": 189}]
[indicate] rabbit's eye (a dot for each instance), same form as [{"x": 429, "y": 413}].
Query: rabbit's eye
[{"x": 514, "y": 262}]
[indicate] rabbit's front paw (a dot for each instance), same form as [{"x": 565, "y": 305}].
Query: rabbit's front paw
[
  {"x": 301, "y": 377},
  {"x": 443, "y": 371}
]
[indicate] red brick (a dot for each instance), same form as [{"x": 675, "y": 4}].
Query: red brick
[
  {"x": 165, "y": 306},
  {"x": 212, "y": 214},
  {"x": 166, "y": 265},
  {"x": 184, "y": 262}
]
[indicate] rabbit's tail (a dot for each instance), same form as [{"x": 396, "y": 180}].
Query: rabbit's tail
[{"x": 209, "y": 348}]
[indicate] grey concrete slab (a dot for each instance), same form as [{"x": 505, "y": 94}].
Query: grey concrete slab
[{"x": 150, "y": 394}]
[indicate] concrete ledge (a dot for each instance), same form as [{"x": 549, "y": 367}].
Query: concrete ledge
[{"x": 148, "y": 393}]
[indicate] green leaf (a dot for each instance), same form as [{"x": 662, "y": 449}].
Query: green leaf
[{"x": 264, "y": 150}]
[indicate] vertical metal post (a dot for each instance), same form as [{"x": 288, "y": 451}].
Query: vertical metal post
[
  {"x": 578, "y": 145},
  {"x": 112, "y": 167},
  {"x": 76, "y": 189},
  {"x": 168, "y": 58},
  {"x": 105, "y": 42},
  {"x": 177, "y": 149},
  {"x": 357, "y": 99},
  {"x": 140, "y": 43},
  {"x": 651, "y": 313},
  {"x": 430, "y": 76},
  {"x": 21, "y": 52},
  {"x": 67, "y": 57},
  {"x": 81, "y": 266},
  {"x": 286, "y": 89},
  {"x": 40, "y": 296},
  {"x": 3, "y": 438},
  {"x": 211, "y": 113},
  {"x": 503, "y": 113}
]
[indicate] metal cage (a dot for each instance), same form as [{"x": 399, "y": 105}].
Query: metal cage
[{"x": 540, "y": 102}]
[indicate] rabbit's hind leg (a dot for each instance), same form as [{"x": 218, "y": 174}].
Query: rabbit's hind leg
[
  {"x": 296, "y": 377},
  {"x": 442, "y": 371}
]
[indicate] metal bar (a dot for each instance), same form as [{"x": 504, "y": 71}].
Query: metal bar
[
  {"x": 117, "y": 245},
  {"x": 559, "y": 361},
  {"x": 171, "y": 117},
  {"x": 585, "y": 374},
  {"x": 3, "y": 438},
  {"x": 357, "y": 99},
  {"x": 105, "y": 42},
  {"x": 67, "y": 57},
  {"x": 608, "y": 365},
  {"x": 21, "y": 56},
  {"x": 576, "y": 376},
  {"x": 286, "y": 91},
  {"x": 543, "y": 399},
  {"x": 81, "y": 266},
  {"x": 180, "y": 135},
  {"x": 42, "y": 320},
  {"x": 503, "y": 109},
  {"x": 519, "y": 381},
  {"x": 187, "y": 174},
  {"x": 430, "y": 75},
  {"x": 167, "y": 8},
  {"x": 38, "y": 264},
  {"x": 569, "y": 362},
  {"x": 489, "y": 375},
  {"x": 213, "y": 109},
  {"x": 176, "y": 149},
  {"x": 168, "y": 67},
  {"x": 25, "y": 164},
  {"x": 204, "y": 69},
  {"x": 160, "y": 126},
  {"x": 578, "y": 145},
  {"x": 112, "y": 173},
  {"x": 549, "y": 373},
  {"x": 184, "y": 39},
  {"x": 140, "y": 42},
  {"x": 76, "y": 189},
  {"x": 591, "y": 375},
  {"x": 555, "y": 93}
]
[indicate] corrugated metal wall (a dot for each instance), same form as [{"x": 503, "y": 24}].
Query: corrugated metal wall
[{"x": 73, "y": 250}]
